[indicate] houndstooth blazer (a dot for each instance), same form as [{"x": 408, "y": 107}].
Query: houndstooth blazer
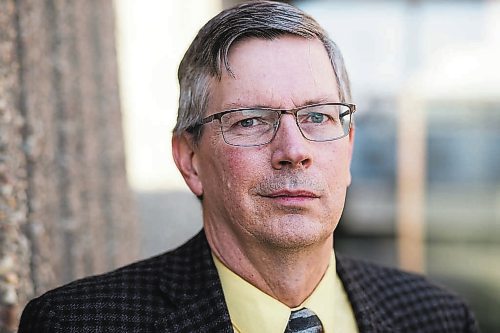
[{"x": 180, "y": 291}]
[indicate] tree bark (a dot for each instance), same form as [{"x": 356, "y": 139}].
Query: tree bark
[{"x": 65, "y": 207}]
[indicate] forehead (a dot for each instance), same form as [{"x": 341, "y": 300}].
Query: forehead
[{"x": 285, "y": 72}]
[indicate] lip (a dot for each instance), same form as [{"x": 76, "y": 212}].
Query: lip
[
  {"x": 293, "y": 194},
  {"x": 291, "y": 197}
]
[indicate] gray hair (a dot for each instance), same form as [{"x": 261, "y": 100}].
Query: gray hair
[{"x": 207, "y": 55}]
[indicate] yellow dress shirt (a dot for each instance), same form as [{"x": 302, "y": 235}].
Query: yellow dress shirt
[{"x": 253, "y": 311}]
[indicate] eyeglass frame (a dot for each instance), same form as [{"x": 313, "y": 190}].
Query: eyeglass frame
[{"x": 294, "y": 111}]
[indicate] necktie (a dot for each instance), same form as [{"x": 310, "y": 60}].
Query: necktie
[{"x": 304, "y": 321}]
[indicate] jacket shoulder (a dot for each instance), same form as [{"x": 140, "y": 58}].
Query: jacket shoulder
[
  {"x": 128, "y": 295},
  {"x": 135, "y": 297},
  {"x": 407, "y": 301}
]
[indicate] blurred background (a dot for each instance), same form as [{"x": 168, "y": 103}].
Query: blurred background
[
  {"x": 88, "y": 100},
  {"x": 426, "y": 171}
]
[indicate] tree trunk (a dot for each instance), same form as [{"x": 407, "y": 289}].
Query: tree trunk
[{"x": 65, "y": 206}]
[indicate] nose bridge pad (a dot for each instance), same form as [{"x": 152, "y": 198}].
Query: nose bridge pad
[
  {"x": 296, "y": 121},
  {"x": 295, "y": 117}
]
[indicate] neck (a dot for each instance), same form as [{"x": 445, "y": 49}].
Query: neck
[{"x": 288, "y": 275}]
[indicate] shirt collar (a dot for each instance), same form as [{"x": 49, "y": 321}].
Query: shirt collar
[{"x": 252, "y": 310}]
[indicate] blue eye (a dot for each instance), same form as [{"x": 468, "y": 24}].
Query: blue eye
[
  {"x": 247, "y": 122},
  {"x": 317, "y": 118}
]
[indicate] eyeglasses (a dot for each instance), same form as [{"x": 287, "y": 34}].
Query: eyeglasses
[{"x": 248, "y": 127}]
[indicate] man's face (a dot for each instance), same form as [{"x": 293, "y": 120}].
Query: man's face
[{"x": 289, "y": 193}]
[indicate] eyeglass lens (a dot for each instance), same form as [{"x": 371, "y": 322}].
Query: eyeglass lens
[{"x": 253, "y": 127}]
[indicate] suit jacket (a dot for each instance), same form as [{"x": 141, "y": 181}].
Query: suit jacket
[{"x": 180, "y": 291}]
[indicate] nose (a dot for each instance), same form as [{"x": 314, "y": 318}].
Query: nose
[{"x": 289, "y": 148}]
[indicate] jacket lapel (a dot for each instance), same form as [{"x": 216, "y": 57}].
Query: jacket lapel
[
  {"x": 191, "y": 284},
  {"x": 369, "y": 317}
]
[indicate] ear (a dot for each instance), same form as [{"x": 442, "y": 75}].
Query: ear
[
  {"x": 186, "y": 159},
  {"x": 350, "y": 151}
]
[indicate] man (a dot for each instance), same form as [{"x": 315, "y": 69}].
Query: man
[{"x": 264, "y": 139}]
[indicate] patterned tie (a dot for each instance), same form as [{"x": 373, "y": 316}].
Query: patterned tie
[{"x": 304, "y": 321}]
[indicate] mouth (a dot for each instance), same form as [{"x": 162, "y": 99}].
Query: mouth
[
  {"x": 293, "y": 194},
  {"x": 292, "y": 197}
]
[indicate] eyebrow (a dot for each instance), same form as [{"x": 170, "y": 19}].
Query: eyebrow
[
  {"x": 235, "y": 105},
  {"x": 317, "y": 101},
  {"x": 230, "y": 106}
]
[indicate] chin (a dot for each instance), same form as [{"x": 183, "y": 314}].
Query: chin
[{"x": 294, "y": 234}]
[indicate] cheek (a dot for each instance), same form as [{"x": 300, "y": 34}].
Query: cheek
[
  {"x": 230, "y": 186},
  {"x": 338, "y": 166},
  {"x": 232, "y": 171},
  {"x": 241, "y": 170}
]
